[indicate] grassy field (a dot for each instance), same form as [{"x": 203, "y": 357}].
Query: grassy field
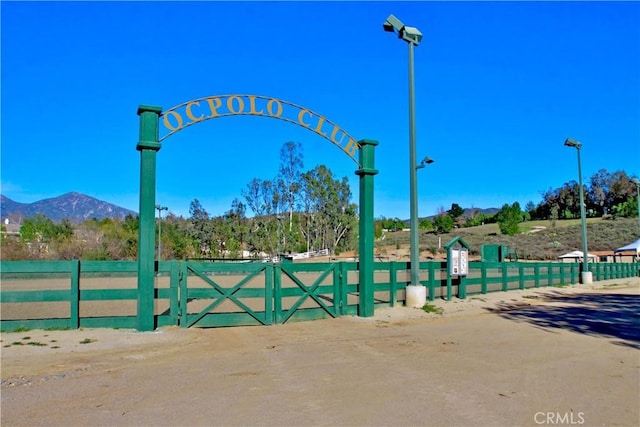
[{"x": 541, "y": 240}]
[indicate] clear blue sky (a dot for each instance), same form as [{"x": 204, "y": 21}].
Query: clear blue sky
[{"x": 499, "y": 86}]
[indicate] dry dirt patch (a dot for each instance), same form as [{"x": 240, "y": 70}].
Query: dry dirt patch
[{"x": 486, "y": 361}]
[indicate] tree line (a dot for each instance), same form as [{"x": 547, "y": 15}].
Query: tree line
[
  {"x": 607, "y": 195},
  {"x": 296, "y": 211}
]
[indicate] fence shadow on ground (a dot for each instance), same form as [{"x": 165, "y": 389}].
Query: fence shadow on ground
[{"x": 612, "y": 315}]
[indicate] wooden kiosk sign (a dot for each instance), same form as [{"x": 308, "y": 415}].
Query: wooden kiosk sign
[{"x": 198, "y": 110}]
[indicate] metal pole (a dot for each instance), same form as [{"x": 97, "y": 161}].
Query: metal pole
[
  {"x": 413, "y": 185},
  {"x": 160, "y": 209},
  {"x": 160, "y": 235},
  {"x": 583, "y": 215}
]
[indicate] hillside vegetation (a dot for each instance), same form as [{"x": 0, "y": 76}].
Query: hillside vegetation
[{"x": 540, "y": 240}]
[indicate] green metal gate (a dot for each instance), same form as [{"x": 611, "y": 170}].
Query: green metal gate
[
  {"x": 216, "y": 295},
  {"x": 306, "y": 292},
  {"x": 226, "y": 294}
]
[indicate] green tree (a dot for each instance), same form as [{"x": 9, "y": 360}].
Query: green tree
[
  {"x": 236, "y": 216},
  {"x": 264, "y": 200},
  {"x": 455, "y": 212},
  {"x": 177, "y": 242},
  {"x": 426, "y": 225},
  {"x": 330, "y": 216},
  {"x": 37, "y": 228},
  {"x": 201, "y": 228},
  {"x": 627, "y": 209},
  {"x": 291, "y": 163},
  {"x": 508, "y": 219},
  {"x": 443, "y": 223}
]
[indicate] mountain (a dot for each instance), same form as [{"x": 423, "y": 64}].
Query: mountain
[{"x": 75, "y": 207}]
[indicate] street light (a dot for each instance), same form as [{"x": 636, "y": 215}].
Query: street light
[
  {"x": 636, "y": 181},
  {"x": 424, "y": 162},
  {"x": 585, "y": 276},
  {"x": 416, "y": 294},
  {"x": 160, "y": 209}
]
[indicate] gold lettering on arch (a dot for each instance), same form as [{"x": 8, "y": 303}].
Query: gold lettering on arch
[
  {"x": 195, "y": 111},
  {"x": 190, "y": 113},
  {"x": 168, "y": 125}
]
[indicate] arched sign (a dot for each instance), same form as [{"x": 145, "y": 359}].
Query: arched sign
[
  {"x": 199, "y": 110},
  {"x": 188, "y": 113}
]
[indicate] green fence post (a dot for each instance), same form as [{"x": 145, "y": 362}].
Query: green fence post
[
  {"x": 277, "y": 294},
  {"x": 483, "y": 275},
  {"x": 521, "y": 273},
  {"x": 393, "y": 282},
  {"x": 148, "y": 146},
  {"x": 174, "y": 288},
  {"x": 365, "y": 270},
  {"x": 183, "y": 316},
  {"x": 344, "y": 280},
  {"x": 74, "y": 315},
  {"x": 340, "y": 292},
  {"x": 562, "y": 278},
  {"x": 431, "y": 267},
  {"x": 269, "y": 278},
  {"x": 550, "y": 274},
  {"x": 536, "y": 274},
  {"x": 505, "y": 278},
  {"x": 462, "y": 287}
]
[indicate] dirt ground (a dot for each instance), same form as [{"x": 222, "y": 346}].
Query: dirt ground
[{"x": 552, "y": 356}]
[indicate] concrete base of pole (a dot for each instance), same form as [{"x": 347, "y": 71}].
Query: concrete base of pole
[
  {"x": 586, "y": 277},
  {"x": 416, "y": 296}
]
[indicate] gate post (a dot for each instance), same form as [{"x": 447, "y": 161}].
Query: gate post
[
  {"x": 365, "y": 269},
  {"x": 148, "y": 146}
]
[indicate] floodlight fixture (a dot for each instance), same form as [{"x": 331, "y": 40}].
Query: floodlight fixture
[
  {"x": 424, "y": 162},
  {"x": 570, "y": 142},
  {"x": 392, "y": 24},
  {"x": 409, "y": 34}
]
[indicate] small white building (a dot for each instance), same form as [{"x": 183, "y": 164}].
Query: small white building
[{"x": 577, "y": 256}]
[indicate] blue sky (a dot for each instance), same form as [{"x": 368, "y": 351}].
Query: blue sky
[{"x": 499, "y": 86}]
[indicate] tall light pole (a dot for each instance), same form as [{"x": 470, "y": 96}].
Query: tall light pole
[
  {"x": 586, "y": 276},
  {"x": 160, "y": 209},
  {"x": 636, "y": 181},
  {"x": 416, "y": 294}
]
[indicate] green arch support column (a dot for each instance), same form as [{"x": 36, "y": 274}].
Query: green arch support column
[
  {"x": 148, "y": 146},
  {"x": 365, "y": 269}
]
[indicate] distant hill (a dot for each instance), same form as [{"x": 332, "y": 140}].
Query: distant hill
[
  {"x": 468, "y": 212},
  {"x": 73, "y": 206}
]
